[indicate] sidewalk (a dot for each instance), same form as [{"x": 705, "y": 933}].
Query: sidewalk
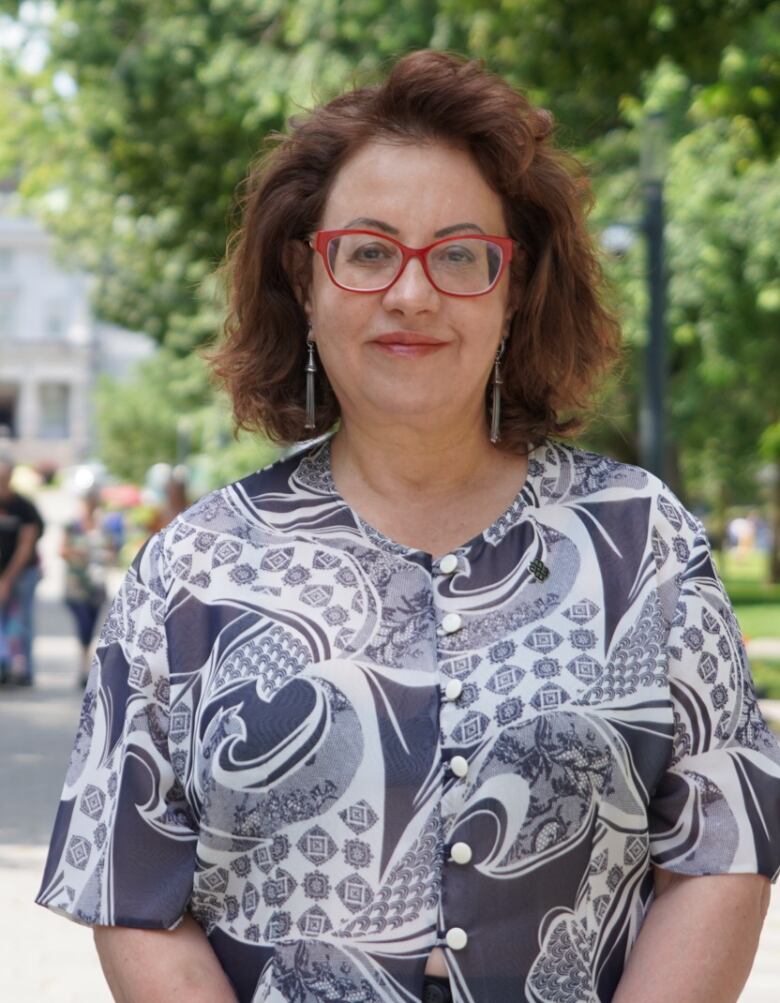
[{"x": 46, "y": 959}]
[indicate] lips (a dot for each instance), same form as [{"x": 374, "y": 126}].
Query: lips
[
  {"x": 407, "y": 345},
  {"x": 412, "y": 338}
]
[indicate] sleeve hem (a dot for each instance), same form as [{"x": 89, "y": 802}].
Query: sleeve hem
[
  {"x": 130, "y": 922},
  {"x": 690, "y": 869}
]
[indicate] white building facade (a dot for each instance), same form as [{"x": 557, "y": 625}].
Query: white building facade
[{"x": 52, "y": 350}]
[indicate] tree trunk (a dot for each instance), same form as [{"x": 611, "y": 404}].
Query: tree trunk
[
  {"x": 774, "y": 544},
  {"x": 673, "y": 473}
]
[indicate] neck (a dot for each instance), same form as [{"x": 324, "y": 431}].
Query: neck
[{"x": 403, "y": 461}]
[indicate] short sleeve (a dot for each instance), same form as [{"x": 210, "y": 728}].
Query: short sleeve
[
  {"x": 123, "y": 848},
  {"x": 717, "y": 807},
  {"x": 28, "y": 514}
]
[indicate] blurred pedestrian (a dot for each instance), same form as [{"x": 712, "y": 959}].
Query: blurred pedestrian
[
  {"x": 171, "y": 484},
  {"x": 742, "y": 532},
  {"x": 88, "y": 548},
  {"x": 21, "y": 527}
]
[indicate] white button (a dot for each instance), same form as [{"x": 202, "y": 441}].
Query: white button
[
  {"x": 460, "y": 853},
  {"x": 456, "y": 938},
  {"x": 448, "y": 564},
  {"x": 453, "y": 689},
  {"x": 451, "y": 622},
  {"x": 459, "y": 766}
]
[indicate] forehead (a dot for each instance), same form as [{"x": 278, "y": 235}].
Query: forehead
[{"x": 422, "y": 186}]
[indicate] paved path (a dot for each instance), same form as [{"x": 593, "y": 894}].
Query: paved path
[{"x": 43, "y": 958}]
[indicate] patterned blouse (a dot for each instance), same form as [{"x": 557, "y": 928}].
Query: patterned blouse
[{"x": 338, "y": 752}]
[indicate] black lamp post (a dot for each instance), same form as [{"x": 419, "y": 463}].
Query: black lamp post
[{"x": 651, "y": 418}]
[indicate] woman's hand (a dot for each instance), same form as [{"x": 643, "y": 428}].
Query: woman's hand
[
  {"x": 157, "y": 966},
  {"x": 698, "y": 940}
]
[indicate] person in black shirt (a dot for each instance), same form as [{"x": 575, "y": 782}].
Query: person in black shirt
[{"x": 21, "y": 527}]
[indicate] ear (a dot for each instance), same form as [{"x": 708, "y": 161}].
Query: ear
[{"x": 297, "y": 261}]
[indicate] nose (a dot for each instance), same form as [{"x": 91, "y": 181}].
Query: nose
[{"x": 412, "y": 291}]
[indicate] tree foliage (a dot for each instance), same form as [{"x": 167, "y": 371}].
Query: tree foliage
[
  {"x": 173, "y": 100},
  {"x": 723, "y": 207},
  {"x": 139, "y": 129}
]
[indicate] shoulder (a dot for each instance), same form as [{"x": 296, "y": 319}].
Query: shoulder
[
  {"x": 570, "y": 475},
  {"x": 302, "y": 468},
  {"x": 25, "y": 509},
  {"x": 568, "y": 472},
  {"x": 231, "y": 524}
]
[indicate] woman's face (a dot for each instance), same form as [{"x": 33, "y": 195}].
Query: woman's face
[{"x": 413, "y": 192}]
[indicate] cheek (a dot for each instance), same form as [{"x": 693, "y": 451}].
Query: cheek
[
  {"x": 341, "y": 332},
  {"x": 335, "y": 314},
  {"x": 482, "y": 329}
]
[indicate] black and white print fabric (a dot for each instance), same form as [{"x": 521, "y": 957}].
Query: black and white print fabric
[{"x": 338, "y": 752}]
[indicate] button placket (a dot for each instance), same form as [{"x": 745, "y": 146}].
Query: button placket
[
  {"x": 450, "y": 622},
  {"x": 455, "y": 937}
]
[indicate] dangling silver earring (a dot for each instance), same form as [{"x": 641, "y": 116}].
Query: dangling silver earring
[
  {"x": 495, "y": 422},
  {"x": 311, "y": 372}
]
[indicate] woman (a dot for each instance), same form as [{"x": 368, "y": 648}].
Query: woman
[
  {"x": 88, "y": 548},
  {"x": 21, "y": 527},
  {"x": 439, "y": 707}
]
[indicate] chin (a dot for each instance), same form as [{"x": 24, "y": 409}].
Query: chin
[{"x": 403, "y": 406}]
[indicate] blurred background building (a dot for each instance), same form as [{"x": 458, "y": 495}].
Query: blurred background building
[{"x": 52, "y": 349}]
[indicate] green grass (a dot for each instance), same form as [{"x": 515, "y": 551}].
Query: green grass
[
  {"x": 742, "y": 566},
  {"x": 766, "y": 674},
  {"x": 757, "y": 607},
  {"x": 745, "y": 577},
  {"x": 756, "y": 603},
  {"x": 758, "y": 620}
]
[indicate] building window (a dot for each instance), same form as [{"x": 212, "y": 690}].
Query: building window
[
  {"x": 55, "y": 326},
  {"x": 54, "y": 410},
  {"x": 56, "y": 319},
  {"x": 7, "y": 317}
]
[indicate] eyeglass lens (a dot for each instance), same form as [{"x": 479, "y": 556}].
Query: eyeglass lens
[{"x": 367, "y": 262}]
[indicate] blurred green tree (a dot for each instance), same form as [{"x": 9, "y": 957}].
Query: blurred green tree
[
  {"x": 169, "y": 101},
  {"x": 139, "y": 128},
  {"x": 723, "y": 202}
]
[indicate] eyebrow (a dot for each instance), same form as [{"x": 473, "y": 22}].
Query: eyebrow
[
  {"x": 378, "y": 224},
  {"x": 456, "y": 227}
]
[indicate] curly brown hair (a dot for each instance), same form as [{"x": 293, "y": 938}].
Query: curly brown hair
[{"x": 562, "y": 340}]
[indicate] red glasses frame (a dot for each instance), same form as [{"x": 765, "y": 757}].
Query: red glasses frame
[{"x": 323, "y": 237}]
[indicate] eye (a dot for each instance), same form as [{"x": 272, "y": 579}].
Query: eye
[
  {"x": 456, "y": 254},
  {"x": 371, "y": 253}
]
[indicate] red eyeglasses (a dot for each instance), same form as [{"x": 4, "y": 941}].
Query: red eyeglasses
[{"x": 362, "y": 261}]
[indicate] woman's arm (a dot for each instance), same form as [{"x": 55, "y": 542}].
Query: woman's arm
[
  {"x": 157, "y": 966},
  {"x": 698, "y": 940}
]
